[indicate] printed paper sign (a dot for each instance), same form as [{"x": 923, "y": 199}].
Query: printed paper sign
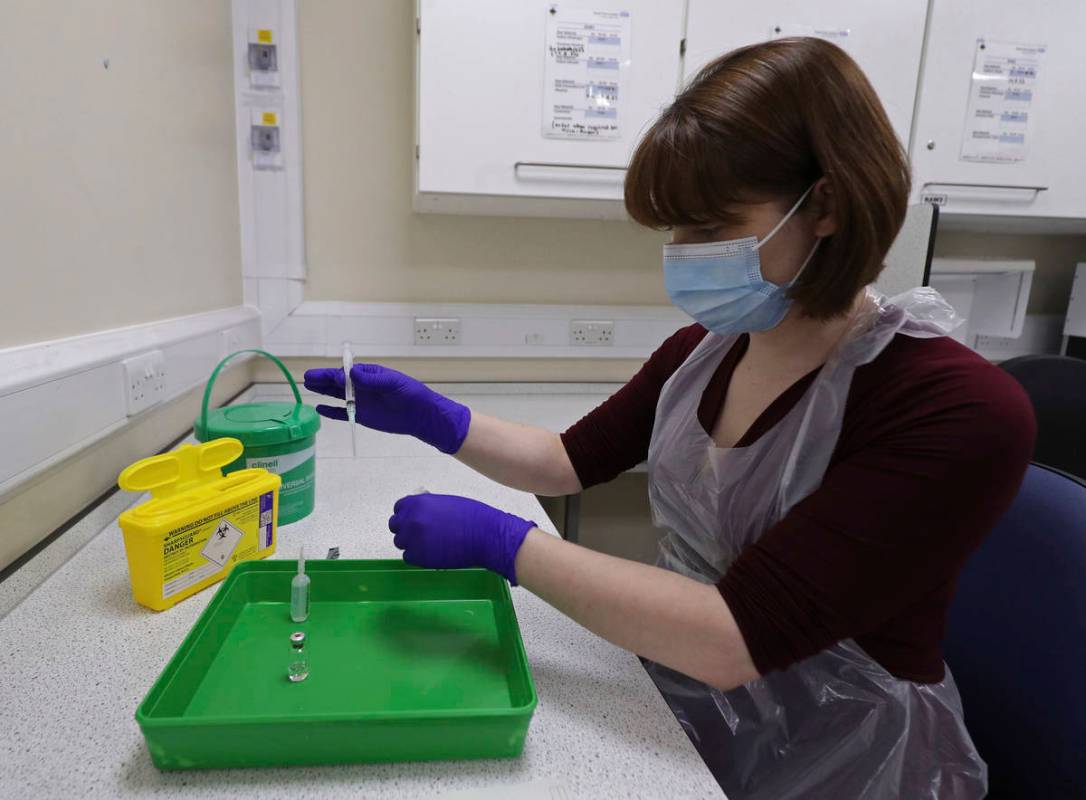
[
  {"x": 1002, "y": 100},
  {"x": 839, "y": 36},
  {"x": 586, "y": 61}
]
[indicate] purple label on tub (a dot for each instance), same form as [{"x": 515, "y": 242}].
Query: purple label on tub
[
  {"x": 267, "y": 535},
  {"x": 266, "y": 501}
]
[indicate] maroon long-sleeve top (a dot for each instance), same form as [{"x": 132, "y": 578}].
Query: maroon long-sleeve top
[{"x": 934, "y": 444}]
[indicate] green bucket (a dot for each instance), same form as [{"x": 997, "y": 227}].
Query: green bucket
[{"x": 278, "y": 437}]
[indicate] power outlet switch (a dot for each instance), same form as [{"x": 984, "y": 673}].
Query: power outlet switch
[
  {"x": 437, "y": 330},
  {"x": 144, "y": 381},
  {"x": 592, "y": 332}
]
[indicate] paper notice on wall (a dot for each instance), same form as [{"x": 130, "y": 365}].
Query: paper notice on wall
[
  {"x": 999, "y": 119},
  {"x": 839, "y": 36},
  {"x": 585, "y": 73}
]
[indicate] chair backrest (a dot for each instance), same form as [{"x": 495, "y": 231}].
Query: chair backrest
[
  {"x": 1056, "y": 386},
  {"x": 908, "y": 262},
  {"x": 1016, "y": 641}
]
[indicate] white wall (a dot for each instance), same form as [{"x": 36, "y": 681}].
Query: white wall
[
  {"x": 364, "y": 243},
  {"x": 118, "y": 186},
  {"x": 362, "y": 240},
  {"x": 118, "y": 206}
]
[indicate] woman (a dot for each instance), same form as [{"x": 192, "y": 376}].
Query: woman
[{"x": 823, "y": 460}]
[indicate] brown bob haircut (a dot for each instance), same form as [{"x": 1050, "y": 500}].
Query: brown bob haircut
[{"x": 763, "y": 123}]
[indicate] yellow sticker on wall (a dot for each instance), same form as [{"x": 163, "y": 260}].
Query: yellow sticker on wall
[
  {"x": 264, "y": 36},
  {"x": 269, "y": 118}
]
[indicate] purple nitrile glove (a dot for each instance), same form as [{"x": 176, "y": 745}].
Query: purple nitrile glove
[
  {"x": 389, "y": 401},
  {"x": 443, "y": 531}
]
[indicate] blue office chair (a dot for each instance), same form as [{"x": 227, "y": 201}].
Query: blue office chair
[
  {"x": 1056, "y": 386},
  {"x": 1016, "y": 642}
]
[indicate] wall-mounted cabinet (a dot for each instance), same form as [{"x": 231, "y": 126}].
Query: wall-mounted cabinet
[
  {"x": 885, "y": 39},
  {"x": 535, "y": 107},
  {"x": 998, "y": 123}
]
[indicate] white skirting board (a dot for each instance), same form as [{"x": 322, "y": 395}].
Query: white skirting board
[
  {"x": 318, "y": 329},
  {"x": 59, "y": 397},
  {"x": 387, "y": 330}
]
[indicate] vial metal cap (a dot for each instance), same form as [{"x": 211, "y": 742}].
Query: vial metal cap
[{"x": 297, "y": 638}]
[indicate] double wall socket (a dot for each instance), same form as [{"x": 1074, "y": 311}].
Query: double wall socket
[
  {"x": 144, "y": 381},
  {"x": 437, "y": 330},
  {"x": 592, "y": 332},
  {"x": 232, "y": 341}
]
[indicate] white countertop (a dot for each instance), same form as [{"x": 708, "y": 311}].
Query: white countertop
[{"x": 78, "y": 654}]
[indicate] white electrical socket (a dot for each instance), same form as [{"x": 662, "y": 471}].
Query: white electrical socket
[
  {"x": 231, "y": 341},
  {"x": 437, "y": 330},
  {"x": 592, "y": 332},
  {"x": 144, "y": 381}
]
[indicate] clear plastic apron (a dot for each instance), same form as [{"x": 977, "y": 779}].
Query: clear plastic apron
[{"x": 835, "y": 725}]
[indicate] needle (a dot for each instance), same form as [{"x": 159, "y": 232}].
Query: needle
[{"x": 348, "y": 394}]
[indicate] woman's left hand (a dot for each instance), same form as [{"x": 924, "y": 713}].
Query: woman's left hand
[{"x": 448, "y": 532}]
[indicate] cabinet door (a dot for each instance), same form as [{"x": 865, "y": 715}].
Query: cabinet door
[
  {"x": 956, "y": 163},
  {"x": 885, "y": 38},
  {"x": 481, "y": 97}
]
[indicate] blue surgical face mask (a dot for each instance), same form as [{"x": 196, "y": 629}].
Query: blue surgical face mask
[{"x": 720, "y": 284}]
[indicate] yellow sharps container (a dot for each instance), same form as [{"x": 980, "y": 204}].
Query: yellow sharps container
[{"x": 198, "y": 523}]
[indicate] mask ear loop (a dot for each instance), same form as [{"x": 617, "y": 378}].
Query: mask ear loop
[
  {"x": 786, "y": 217},
  {"x": 806, "y": 261}
]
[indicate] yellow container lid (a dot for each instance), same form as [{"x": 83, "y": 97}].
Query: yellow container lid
[{"x": 185, "y": 482}]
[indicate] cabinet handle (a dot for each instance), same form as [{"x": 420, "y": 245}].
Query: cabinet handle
[
  {"x": 1034, "y": 189},
  {"x": 558, "y": 165}
]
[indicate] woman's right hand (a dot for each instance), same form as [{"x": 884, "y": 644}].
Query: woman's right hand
[{"x": 390, "y": 401}]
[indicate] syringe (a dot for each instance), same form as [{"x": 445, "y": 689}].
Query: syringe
[
  {"x": 348, "y": 394},
  {"x": 299, "y": 591},
  {"x": 348, "y": 386}
]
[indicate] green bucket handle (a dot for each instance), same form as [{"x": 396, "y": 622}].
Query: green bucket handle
[{"x": 282, "y": 367}]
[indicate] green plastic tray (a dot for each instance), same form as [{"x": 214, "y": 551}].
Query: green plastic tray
[{"x": 406, "y": 664}]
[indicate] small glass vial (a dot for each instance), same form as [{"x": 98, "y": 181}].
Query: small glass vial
[
  {"x": 299, "y": 591},
  {"x": 298, "y": 666}
]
